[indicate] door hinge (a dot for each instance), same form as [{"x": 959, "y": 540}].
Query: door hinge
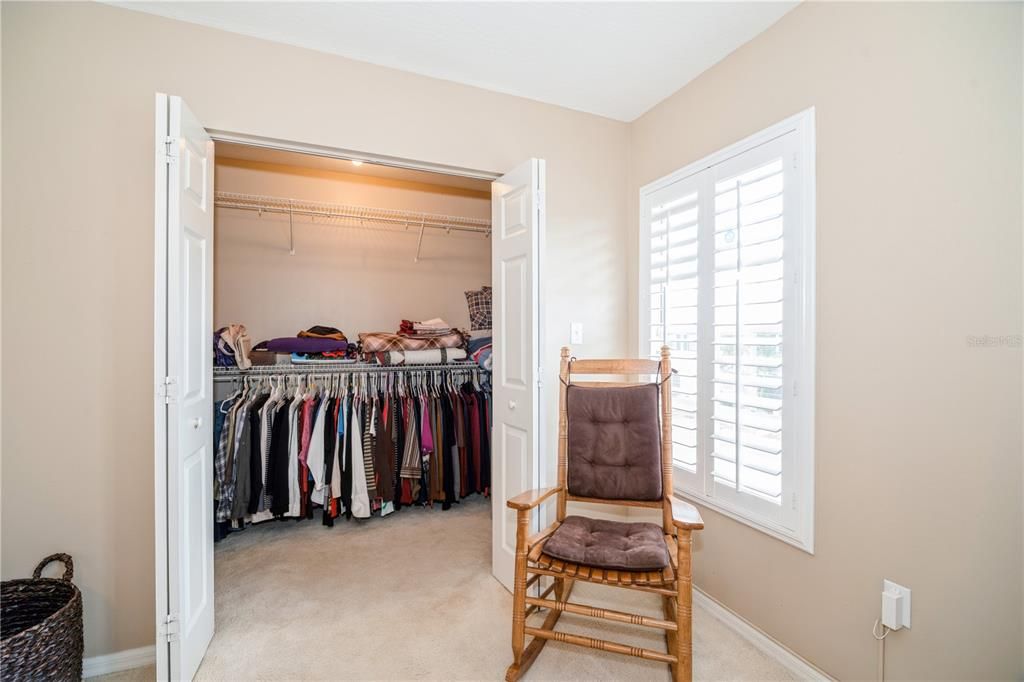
[
  {"x": 540, "y": 377},
  {"x": 168, "y": 389},
  {"x": 539, "y": 198},
  {"x": 170, "y": 629},
  {"x": 170, "y": 146}
]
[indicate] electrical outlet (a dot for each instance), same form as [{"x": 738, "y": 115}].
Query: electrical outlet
[
  {"x": 575, "y": 332},
  {"x": 895, "y": 605}
]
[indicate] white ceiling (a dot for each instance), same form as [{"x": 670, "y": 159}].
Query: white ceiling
[{"x": 615, "y": 59}]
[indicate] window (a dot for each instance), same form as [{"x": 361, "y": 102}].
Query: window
[{"x": 727, "y": 282}]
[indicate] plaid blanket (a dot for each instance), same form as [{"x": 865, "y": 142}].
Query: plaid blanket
[{"x": 376, "y": 342}]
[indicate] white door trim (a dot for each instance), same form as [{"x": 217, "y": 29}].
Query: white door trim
[
  {"x": 162, "y": 597},
  {"x": 348, "y": 154}
]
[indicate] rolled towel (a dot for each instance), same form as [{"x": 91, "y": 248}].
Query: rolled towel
[{"x": 422, "y": 357}]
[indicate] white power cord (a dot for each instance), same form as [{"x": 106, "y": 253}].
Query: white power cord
[{"x": 881, "y": 647}]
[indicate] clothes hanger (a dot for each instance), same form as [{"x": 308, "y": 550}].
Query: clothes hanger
[{"x": 224, "y": 402}]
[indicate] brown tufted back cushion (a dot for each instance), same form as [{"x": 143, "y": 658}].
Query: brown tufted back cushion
[{"x": 614, "y": 442}]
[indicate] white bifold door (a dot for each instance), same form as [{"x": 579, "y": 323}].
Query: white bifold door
[
  {"x": 184, "y": 389},
  {"x": 517, "y": 232}
]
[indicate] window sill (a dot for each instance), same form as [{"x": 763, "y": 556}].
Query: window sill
[{"x": 803, "y": 543}]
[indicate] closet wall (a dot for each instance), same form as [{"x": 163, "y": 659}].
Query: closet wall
[{"x": 354, "y": 278}]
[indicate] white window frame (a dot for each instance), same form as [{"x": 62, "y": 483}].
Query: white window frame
[{"x": 797, "y": 524}]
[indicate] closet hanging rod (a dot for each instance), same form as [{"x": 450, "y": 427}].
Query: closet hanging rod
[{"x": 362, "y": 214}]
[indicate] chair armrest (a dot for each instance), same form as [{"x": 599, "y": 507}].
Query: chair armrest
[
  {"x": 531, "y": 498},
  {"x": 685, "y": 515}
]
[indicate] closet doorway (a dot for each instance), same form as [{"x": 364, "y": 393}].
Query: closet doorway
[{"x": 253, "y": 280}]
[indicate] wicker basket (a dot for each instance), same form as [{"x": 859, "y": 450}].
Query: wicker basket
[{"x": 41, "y": 626}]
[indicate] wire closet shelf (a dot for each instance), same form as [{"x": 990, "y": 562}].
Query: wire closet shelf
[
  {"x": 357, "y": 215},
  {"x": 325, "y": 368}
]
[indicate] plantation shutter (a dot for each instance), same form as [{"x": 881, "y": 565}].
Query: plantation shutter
[
  {"x": 673, "y": 223},
  {"x": 727, "y": 274},
  {"x": 747, "y": 370}
]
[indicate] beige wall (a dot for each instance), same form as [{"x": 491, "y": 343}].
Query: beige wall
[
  {"x": 919, "y": 246},
  {"x": 356, "y": 279},
  {"x": 79, "y": 83}
]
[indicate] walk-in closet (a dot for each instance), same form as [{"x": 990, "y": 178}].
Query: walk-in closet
[
  {"x": 352, "y": 370},
  {"x": 348, "y": 385}
]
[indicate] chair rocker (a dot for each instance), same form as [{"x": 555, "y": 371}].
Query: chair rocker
[{"x": 612, "y": 449}]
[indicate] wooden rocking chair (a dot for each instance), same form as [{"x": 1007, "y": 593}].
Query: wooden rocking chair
[{"x": 611, "y": 450}]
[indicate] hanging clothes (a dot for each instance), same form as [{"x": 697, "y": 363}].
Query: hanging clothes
[
  {"x": 360, "y": 495},
  {"x": 285, "y": 447}
]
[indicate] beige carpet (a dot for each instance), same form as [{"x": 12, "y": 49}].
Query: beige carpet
[{"x": 411, "y": 597}]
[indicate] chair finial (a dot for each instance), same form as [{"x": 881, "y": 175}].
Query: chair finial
[{"x": 565, "y": 352}]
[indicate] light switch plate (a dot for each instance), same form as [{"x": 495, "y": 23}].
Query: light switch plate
[
  {"x": 575, "y": 332},
  {"x": 900, "y": 618}
]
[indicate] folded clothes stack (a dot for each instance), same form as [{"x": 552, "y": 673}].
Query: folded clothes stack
[
  {"x": 380, "y": 342},
  {"x": 480, "y": 350},
  {"x": 425, "y": 329},
  {"x": 322, "y": 332},
  {"x": 323, "y": 358},
  {"x": 302, "y": 344},
  {"x": 315, "y": 343}
]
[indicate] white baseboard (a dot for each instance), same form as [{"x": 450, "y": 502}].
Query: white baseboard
[
  {"x": 796, "y": 665},
  {"x": 118, "y": 661}
]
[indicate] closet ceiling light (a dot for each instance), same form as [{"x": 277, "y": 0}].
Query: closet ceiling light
[{"x": 357, "y": 162}]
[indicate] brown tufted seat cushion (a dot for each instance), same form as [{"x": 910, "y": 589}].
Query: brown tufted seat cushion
[
  {"x": 614, "y": 442},
  {"x": 609, "y": 544}
]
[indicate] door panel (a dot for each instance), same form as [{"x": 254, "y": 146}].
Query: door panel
[
  {"x": 515, "y": 444},
  {"x": 193, "y": 380},
  {"x": 515, "y": 288},
  {"x": 518, "y": 223},
  {"x": 185, "y": 412},
  {"x": 195, "y": 590}
]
